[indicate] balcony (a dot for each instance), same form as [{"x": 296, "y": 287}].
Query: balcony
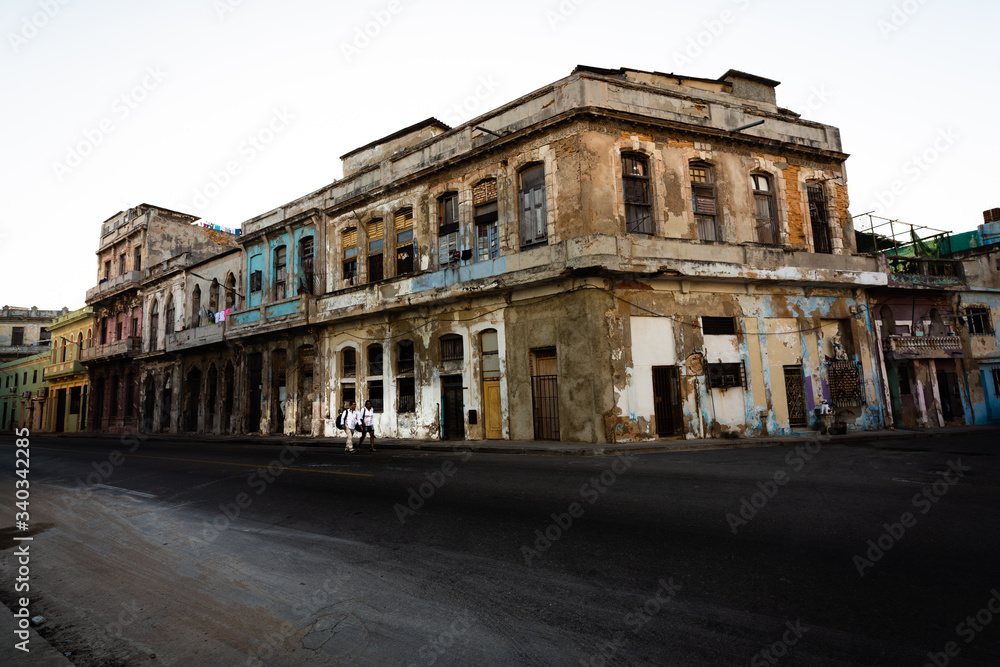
[
  {"x": 925, "y": 272},
  {"x": 127, "y": 347},
  {"x": 64, "y": 369},
  {"x": 112, "y": 286},
  {"x": 922, "y": 347},
  {"x": 198, "y": 336}
]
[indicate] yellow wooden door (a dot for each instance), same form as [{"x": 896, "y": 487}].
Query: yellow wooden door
[{"x": 491, "y": 416}]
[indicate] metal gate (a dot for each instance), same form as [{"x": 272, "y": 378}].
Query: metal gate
[
  {"x": 667, "y": 400},
  {"x": 545, "y": 406},
  {"x": 795, "y": 396}
]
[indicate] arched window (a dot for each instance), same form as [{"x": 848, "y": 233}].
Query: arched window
[
  {"x": 306, "y": 252},
  {"x": 490, "y": 346},
  {"x": 448, "y": 229},
  {"x": 170, "y": 314},
  {"x": 213, "y": 295},
  {"x": 703, "y": 201},
  {"x": 638, "y": 197},
  {"x": 349, "y": 243},
  {"x": 79, "y": 346},
  {"x": 764, "y": 209},
  {"x": 196, "y": 314},
  {"x": 403, "y": 222},
  {"x": 63, "y": 341},
  {"x": 531, "y": 205},
  {"x": 348, "y": 363},
  {"x": 375, "y": 359},
  {"x": 484, "y": 204},
  {"x": 154, "y": 325},
  {"x": 280, "y": 273},
  {"x": 451, "y": 348},
  {"x": 90, "y": 338},
  {"x": 376, "y": 241},
  {"x": 230, "y": 291},
  {"x": 819, "y": 218}
]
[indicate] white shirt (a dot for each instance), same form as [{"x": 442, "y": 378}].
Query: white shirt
[
  {"x": 367, "y": 416},
  {"x": 351, "y": 419}
]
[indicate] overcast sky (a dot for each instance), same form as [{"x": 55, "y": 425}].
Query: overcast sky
[{"x": 112, "y": 103}]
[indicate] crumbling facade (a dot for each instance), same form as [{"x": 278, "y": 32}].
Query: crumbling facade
[{"x": 23, "y": 331}]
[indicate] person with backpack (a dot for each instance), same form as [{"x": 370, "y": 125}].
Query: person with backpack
[
  {"x": 367, "y": 423},
  {"x": 349, "y": 421}
]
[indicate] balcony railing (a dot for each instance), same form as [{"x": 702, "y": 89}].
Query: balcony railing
[
  {"x": 125, "y": 280},
  {"x": 125, "y": 347},
  {"x": 63, "y": 369},
  {"x": 925, "y": 266},
  {"x": 923, "y": 347}
]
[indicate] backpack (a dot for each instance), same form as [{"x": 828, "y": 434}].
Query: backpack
[{"x": 340, "y": 420}]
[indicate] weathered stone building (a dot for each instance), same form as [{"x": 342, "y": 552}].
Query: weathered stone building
[
  {"x": 131, "y": 241},
  {"x": 23, "y": 331},
  {"x": 620, "y": 255}
]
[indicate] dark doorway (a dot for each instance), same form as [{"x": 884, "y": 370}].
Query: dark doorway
[
  {"x": 951, "y": 401},
  {"x": 60, "y": 411},
  {"x": 98, "y": 420},
  {"x": 667, "y": 401},
  {"x": 255, "y": 390},
  {"x": 212, "y": 399},
  {"x": 795, "y": 397},
  {"x": 229, "y": 394},
  {"x": 453, "y": 419},
  {"x": 545, "y": 394},
  {"x": 192, "y": 388},
  {"x": 149, "y": 406},
  {"x": 305, "y": 393},
  {"x": 279, "y": 371}
]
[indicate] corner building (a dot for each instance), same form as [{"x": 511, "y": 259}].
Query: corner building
[{"x": 625, "y": 255}]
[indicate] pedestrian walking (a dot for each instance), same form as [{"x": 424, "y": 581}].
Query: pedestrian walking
[
  {"x": 350, "y": 420},
  {"x": 368, "y": 424}
]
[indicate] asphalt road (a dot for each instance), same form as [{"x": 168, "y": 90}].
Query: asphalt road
[{"x": 198, "y": 554}]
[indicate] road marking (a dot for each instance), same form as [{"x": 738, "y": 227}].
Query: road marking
[
  {"x": 118, "y": 488},
  {"x": 221, "y": 463}
]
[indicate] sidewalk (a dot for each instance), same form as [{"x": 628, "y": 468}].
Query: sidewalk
[
  {"x": 543, "y": 447},
  {"x": 40, "y": 652}
]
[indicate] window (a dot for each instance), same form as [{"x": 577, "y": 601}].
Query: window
[
  {"x": 375, "y": 395},
  {"x": 350, "y": 363},
  {"x": 718, "y": 326},
  {"x": 407, "y": 395},
  {"x": 978, "y": 320},
  {"x": 726, "y": 376},
  {"x": 491, "y": 354},
  {"x": 451, "y": 348},
  {"x": 818, "y": 218},
  {"x": 137, "y": 259},
  {"x": 196, "y": 313},
  {"x": 104, "y": 330},
  {"x": 118, "y": 326},
  {"x": 484, "y": 203},
  {"x": 134, "y": 331},
  {"x": 995, "y": 373},
  {"x": 231, "y": 291},
  {"x": 534, "y": 222},
  {"x": 79, "y": 345},
  {"x": 170, "y": 315},
  {"x": 256, "y": 281},
  {"x": 17, "y": 336},
  {"x": 63, "y": 359},
  {"x": 306, "y": 252},
  {"x": 403, "y": 223},
  {"x": 635, "y": 185},
  {"x": 375, "y": 359},
  {"x": 766, "y": 220},
  {"x": 376, "y": 234},
  {"x": 448, "y": 251},
  {"x": 280, "y": 273},
  {"x": 703, "y": 201},
  {"x": 34, "y": 374},
  {"x": 213, "y": 295},
  {"x": 350, "y": 243},
  {"x": 404, "y": 357},
  {"x": 107, "y": 269},
  {"x": 154, "y": 325}
]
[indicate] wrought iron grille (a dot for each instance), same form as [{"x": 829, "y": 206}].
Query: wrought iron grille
[{"x": 846, "y": 381}]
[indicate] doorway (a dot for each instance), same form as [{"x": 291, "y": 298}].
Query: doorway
[
  {"x": 60, "y": 411},
  {"x": 545, "y": 394},
  {"x": 951, "y": 400},
  {"x": 254, "y": 372},
  {"x": 795, "y": 397},
  {"x": 667, "y": 401},
  {"x": 191, "y": 405},
  {"x": 453, "y": 408}
]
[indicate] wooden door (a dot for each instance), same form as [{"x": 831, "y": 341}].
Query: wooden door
[
  {"x": 453, "y": 408},
  {"x": 491, "y": 409}
]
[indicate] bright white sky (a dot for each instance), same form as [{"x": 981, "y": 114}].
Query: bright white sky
[{"x": 111, "y": 103}]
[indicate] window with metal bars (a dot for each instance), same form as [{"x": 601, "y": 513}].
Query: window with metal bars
[
  {"x": 718, "y": 326},
  {"x": 306, "y": 254},
  {"x": 448, "y": 229},
  {"x": 375, "y": 359},
  {"x": 531, "y": 198},
  {"x": 819, "y": 218},
  {"x": 280, "y": 273},
  {"x": 726, "y": 375},
  {"x": 404, "y": 357},
  {"x": 764, "y": 209},
  {"x": 349, "y": 240},
  {"x": 485, "y": 216},
  {"x": 403, "y": 223},
  {"x": 376, "y": 234},
  {"x": 375, "y": 395},
  {"x": 978, "y": 320},
  {"x": 170, "y": 315},
  {"x": 348, "y": 363},
  {"x": 407, "y": 395},
  {"x": 638, "y": 202},
  {"x": 451, "y": 348},
  {"x": 703, "y": 202}
]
